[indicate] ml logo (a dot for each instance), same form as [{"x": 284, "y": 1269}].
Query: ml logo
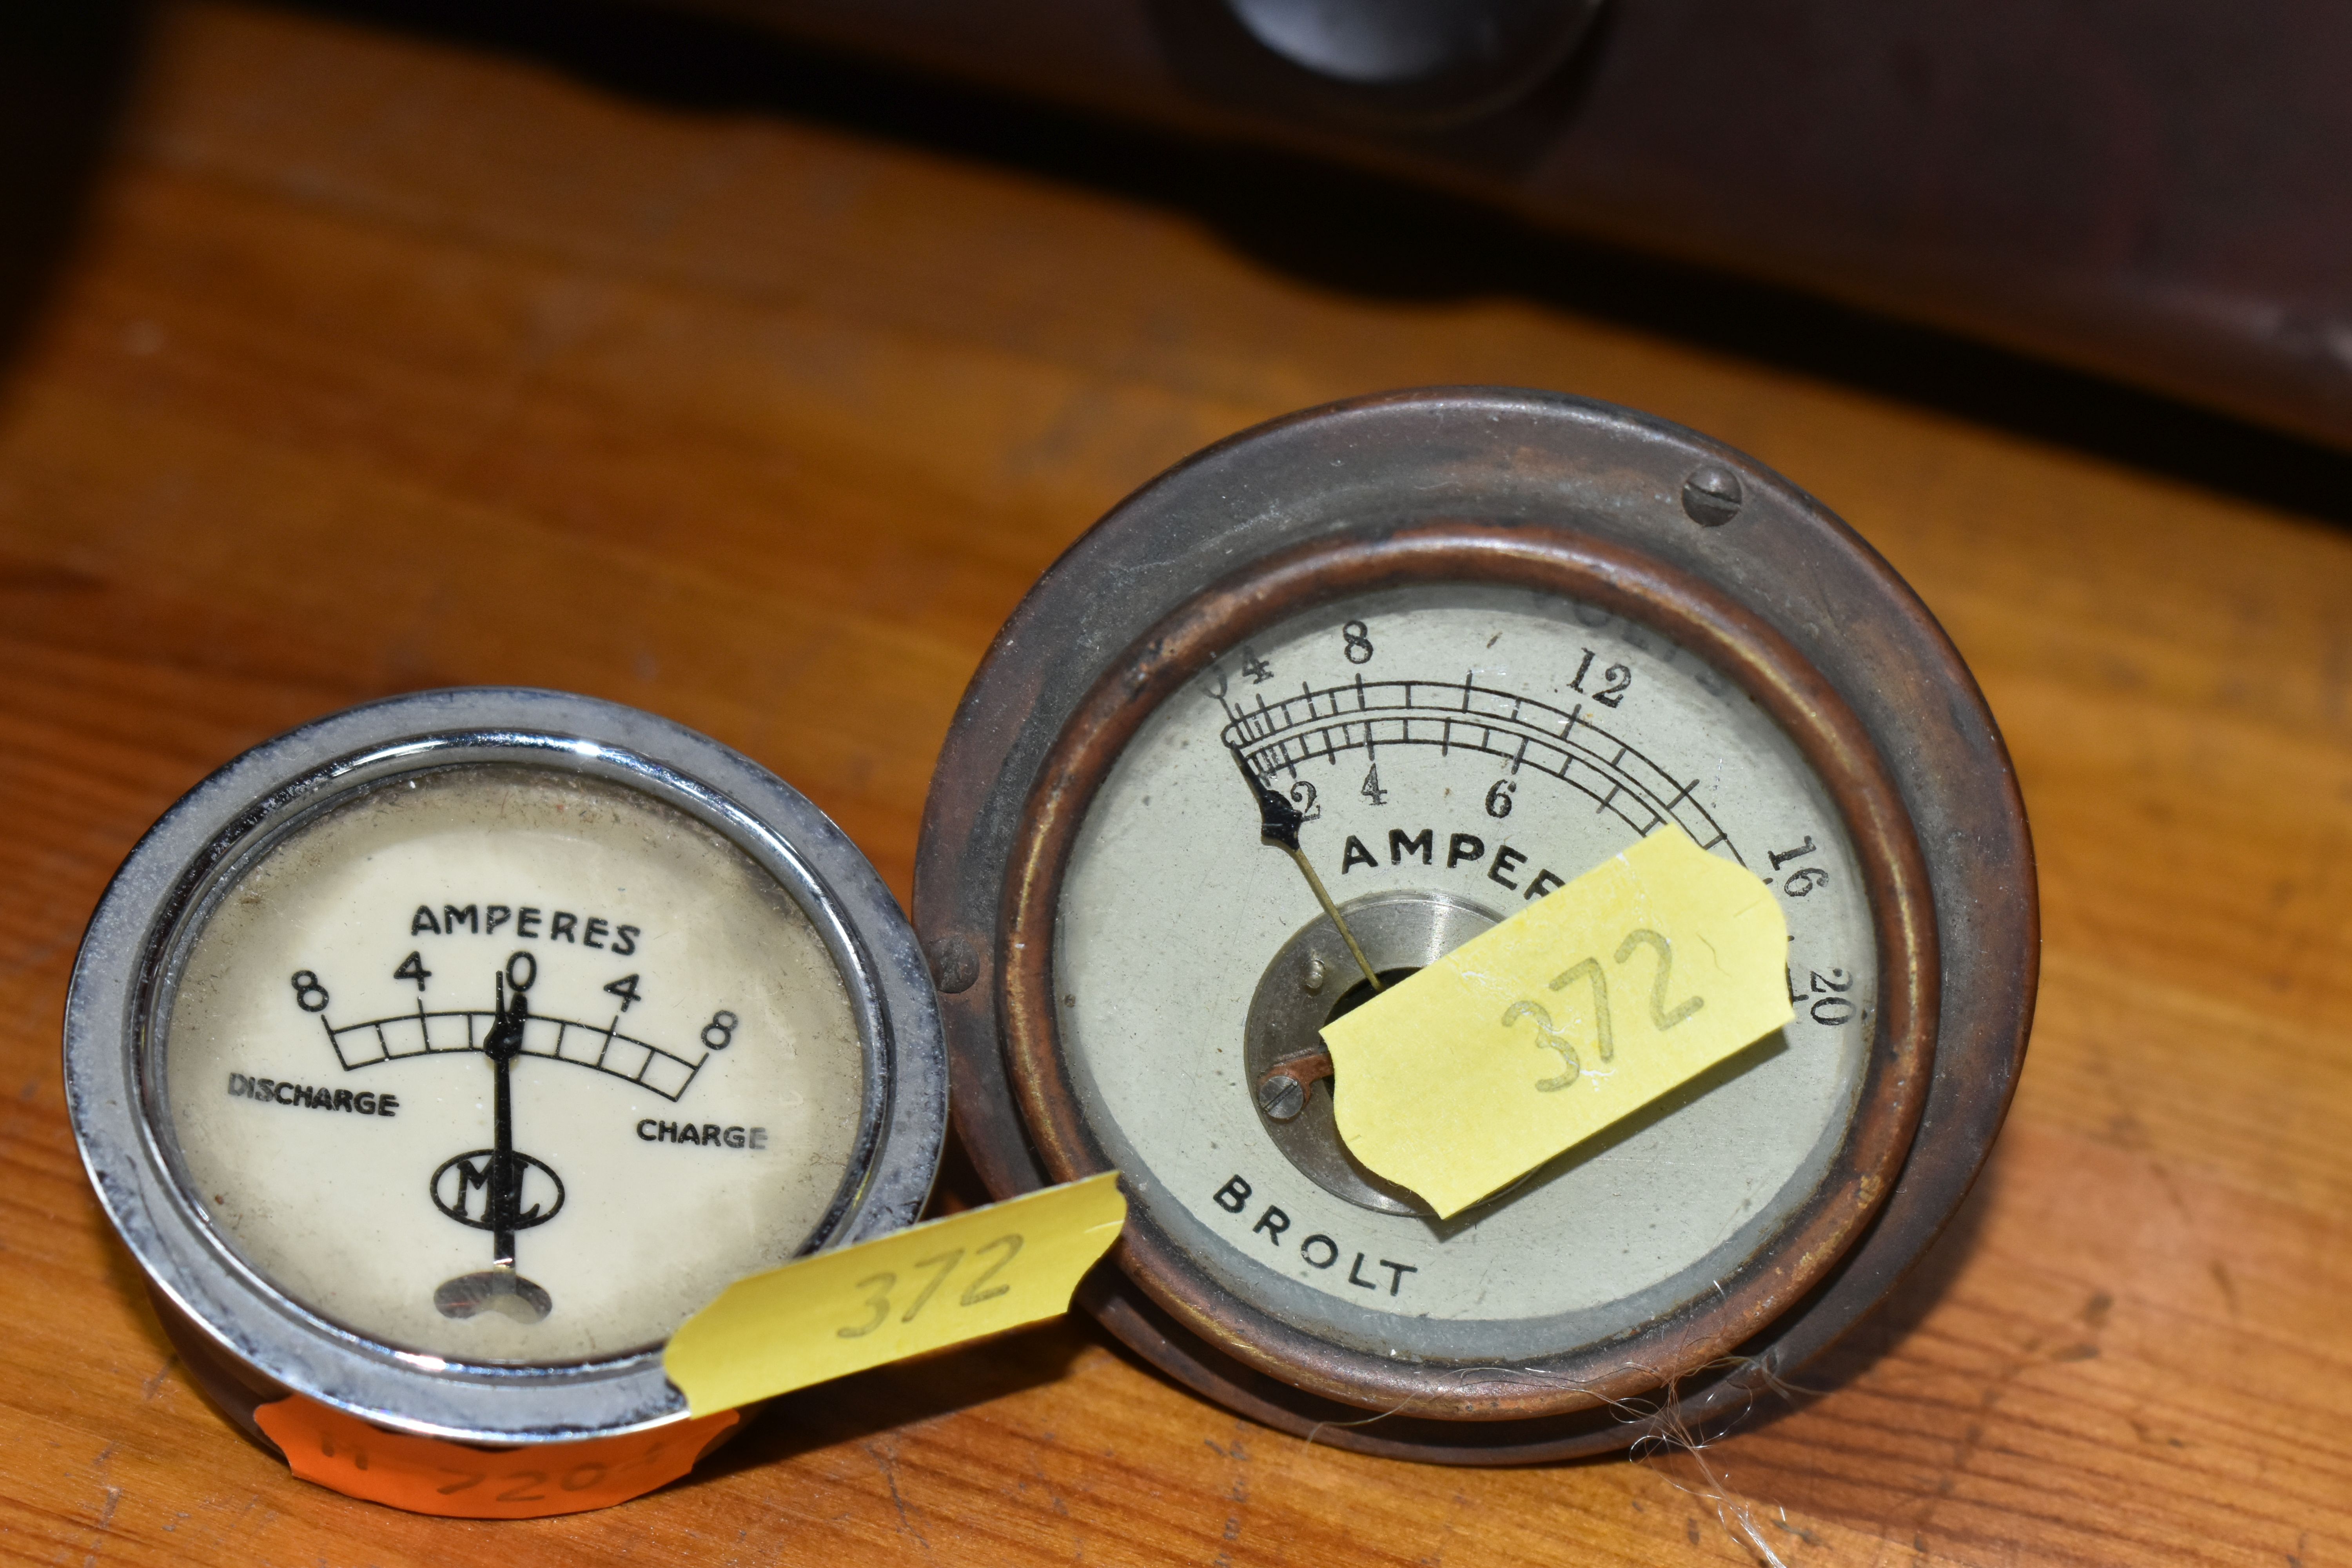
[{"x": 467, "y": 1189}]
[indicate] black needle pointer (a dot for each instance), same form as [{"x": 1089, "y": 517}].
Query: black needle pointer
[
  {"x": 1278, "y": 824},
  {"x": 501, "y": 1046}
]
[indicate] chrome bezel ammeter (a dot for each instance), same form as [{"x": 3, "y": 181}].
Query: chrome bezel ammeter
[{"x": 247, "y": 1338}]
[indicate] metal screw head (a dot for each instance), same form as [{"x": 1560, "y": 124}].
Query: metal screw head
[
  {"x": 1315, "y": 976},
  {"x": 1712, "y": 495},
  {"x": 1281, "y": 1096}
]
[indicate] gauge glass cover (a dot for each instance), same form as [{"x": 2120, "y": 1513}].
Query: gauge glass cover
[
  {"x": 1458, "y": 750},
  {"x": 684, "y": 1087}
]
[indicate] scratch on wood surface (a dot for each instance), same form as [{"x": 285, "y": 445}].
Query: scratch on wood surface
[
  {"x": 105, "y": 1526},
  {"x": 1448, "y": 1528},
  {"x": 2229, "y": 1286},
  {"x": 1060, "y": 1505},
  {"x": 1948, "y": 1475},
  {"x": 1237, "y": 1494},
  {"x": 885, "y": 1459}
]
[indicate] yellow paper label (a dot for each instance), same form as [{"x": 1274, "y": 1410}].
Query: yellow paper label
[
  {"x": 979, "y": 1272},
  {"x": 1576, "y": 1012}
]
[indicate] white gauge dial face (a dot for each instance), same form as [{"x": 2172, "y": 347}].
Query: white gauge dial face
[
  {"x": 504, "y": 1064},
  {"x": 1457, "y": 751}
]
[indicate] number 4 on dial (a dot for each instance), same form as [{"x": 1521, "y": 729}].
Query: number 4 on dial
[{"x": 626, "y": 988}]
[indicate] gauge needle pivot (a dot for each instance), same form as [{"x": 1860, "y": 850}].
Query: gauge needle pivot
[{"x": 1278, "y": 824}]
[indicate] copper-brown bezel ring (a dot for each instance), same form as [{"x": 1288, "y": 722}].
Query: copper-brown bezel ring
[{"x": 1730, "y": 639}]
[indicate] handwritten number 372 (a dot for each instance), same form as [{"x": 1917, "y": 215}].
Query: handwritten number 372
[
  {"x": 1548, "y": 1035},
  {"x": 881, "y": 1285}
]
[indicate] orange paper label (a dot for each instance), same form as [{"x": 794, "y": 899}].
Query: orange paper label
[{"x": 429, "y": 1474}]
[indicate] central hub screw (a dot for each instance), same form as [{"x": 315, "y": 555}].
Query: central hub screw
[{"x": 1281, "y": 1096}]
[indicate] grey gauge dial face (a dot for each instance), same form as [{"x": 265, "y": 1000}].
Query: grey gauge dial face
[
  {"x": 1455, "y": 751},
  {"x": 502, "y": 1063}
]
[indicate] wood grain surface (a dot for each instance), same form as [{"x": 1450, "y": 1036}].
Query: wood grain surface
[{"x": 389, "y": 364}]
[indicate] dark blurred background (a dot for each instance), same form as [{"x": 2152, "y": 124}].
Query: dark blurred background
[
  {"x": 66, "y": 74},
  {"x": 2119, "y": 227}
]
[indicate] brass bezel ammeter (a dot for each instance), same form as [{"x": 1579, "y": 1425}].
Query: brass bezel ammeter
[{"x": 1452, "y": 649}]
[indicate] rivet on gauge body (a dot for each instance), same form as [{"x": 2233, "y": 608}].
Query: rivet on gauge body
[
  {"x": 953, "y": 968},
  {"x": 1712, "y": 495}
]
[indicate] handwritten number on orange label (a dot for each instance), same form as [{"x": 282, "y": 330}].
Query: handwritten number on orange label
[{"x": 430, "y": 1475}]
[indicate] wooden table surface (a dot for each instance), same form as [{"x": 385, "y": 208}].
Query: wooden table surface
[{"x": 389, "y": 363}]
